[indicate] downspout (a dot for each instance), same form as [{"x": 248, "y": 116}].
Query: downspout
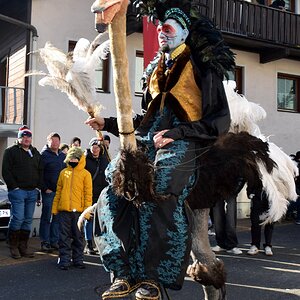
[
  {"x": 32, "y": 65},
  {"x": 297, "y": 7}
]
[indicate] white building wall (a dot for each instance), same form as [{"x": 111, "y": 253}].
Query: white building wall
[
  {"x": 58, "y": 22},
  {"x": 54, "y": 111},
  {"x": 260, "y": 86}
]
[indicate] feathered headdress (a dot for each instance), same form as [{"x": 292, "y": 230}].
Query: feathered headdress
[{"x": 207, "y": 46}]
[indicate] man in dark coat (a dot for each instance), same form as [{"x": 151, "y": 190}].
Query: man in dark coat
[
  {"x": 53, "y": 162},
  {"x": 23, "y": 174},
  {"x": 97, "y": 160}
]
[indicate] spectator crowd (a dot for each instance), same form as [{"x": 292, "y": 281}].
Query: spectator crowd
[{"x": 67, "y": 179}]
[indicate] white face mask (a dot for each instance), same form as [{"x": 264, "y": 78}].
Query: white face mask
[{"x": 171, "y": 35}]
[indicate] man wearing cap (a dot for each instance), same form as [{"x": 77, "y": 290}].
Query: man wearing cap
[
  {"x": 96, "y": 163},
  {"x": 53, "y": 162},
  {"x": 23, "y": 173}
]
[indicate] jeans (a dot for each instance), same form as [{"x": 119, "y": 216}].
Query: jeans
[
  {"x": 225, "y": 223},
  {"x": 88, "y": 230},
  {"x": 49, "y": 229},
  {"x": 22, "y": 208}
]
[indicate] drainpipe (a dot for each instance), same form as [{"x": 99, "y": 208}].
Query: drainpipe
[
  {"x": 32, "y": 65},
  {"x": 297, "y": 7}
]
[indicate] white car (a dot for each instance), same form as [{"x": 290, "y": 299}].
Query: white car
[{"x": 4, "y": 208}]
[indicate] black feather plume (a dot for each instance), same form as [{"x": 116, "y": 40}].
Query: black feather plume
[
  {"x": 208, "y": 48},
  {"x": 233, "y": 157}
]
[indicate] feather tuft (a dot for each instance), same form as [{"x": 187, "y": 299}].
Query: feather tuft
[{"x": 74, "y": 73}]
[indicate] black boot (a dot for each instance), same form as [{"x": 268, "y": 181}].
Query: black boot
[
  {"x": 23, "y": 244},
  {"x": 120, "y": 288},
  {"x": 13, "y": 243},
  {"x": 89, "y": 248},
  {"x": 149, "y": 290}
]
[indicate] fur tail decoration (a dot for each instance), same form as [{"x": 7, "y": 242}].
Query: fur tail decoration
[
  {"x": 134, "y": 177},
  {"x": 213, "y": 274},
  {"x": 86, "y": 215},
  {"x": 234, "y": 157}
]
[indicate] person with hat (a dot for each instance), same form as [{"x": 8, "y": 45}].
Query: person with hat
[
  {"x": 53, "y": 162},
  {"x": 148, "y": 244},
  {"x": 75, "y": 142},
  {"x": 73, "y": 195},
  {"x": 22, "y": 172},
  {"x": 96, "y": 163},
  {"x": 64, "y": 147},
  {"x": 279, "y": 4},
  {"x": 106, "y": 140}
]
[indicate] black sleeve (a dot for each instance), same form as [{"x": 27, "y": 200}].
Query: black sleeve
[
  {"x": 111, "y": 124},
  {"x": 7, "y": 170},
  {"x": 215, "y": 112},
  {"x": 40, "y": 170}
]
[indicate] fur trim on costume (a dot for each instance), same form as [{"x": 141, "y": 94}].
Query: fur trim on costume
[
  {"x": 208, "y": 49},
  {"x": 134, "y": 177},
  {"x": 213, "y": 274}
]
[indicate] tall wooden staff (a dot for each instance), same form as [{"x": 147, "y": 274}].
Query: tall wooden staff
[
  {"x": 133, "y": 177},
  {"x": 113, "y": 13}
]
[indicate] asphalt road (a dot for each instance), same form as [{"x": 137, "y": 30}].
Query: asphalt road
[{"x": 249, "y": 277}]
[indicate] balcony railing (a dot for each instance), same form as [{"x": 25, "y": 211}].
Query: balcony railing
[
  {"x": 258, "y": 22},
  {"x": 11, "y": 105}
]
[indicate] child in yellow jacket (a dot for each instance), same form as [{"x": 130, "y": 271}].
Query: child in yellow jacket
[{"x": 73, "y": 196}]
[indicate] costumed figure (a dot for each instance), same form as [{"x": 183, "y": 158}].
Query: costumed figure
[
  {"x": 176, "y": 160},
  {"x": 146, "y": 242}
]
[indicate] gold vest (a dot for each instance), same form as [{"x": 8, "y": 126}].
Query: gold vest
[{"x": 185, "y": 91}]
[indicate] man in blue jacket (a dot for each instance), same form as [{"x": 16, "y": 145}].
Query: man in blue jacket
[{"x": 53, "y": 161}]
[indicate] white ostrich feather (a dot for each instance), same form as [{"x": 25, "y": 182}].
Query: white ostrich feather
[
  {"x": 244, "y": 114},
  {"x": 277, "y": 202},
  {"x": 285, "y": 172},
  {"x": 58, "y": 63},
  {"x": 74, "y": 73},
  {"x": 280, "y": 184},
  {"x": 81, "y": 49}
]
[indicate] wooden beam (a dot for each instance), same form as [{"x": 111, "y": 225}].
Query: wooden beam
[{"x": 273, "y": 54}]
